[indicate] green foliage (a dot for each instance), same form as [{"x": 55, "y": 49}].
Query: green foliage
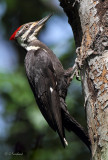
[{"x": 14, "y": 86}]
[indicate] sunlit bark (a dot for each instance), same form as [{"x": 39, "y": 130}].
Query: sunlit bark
[{"x": 89, "y": 21}]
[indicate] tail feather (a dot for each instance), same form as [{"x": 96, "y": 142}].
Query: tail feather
[
  {"x": 63, "y": 139},
  {"x": 66, "y": 143},
  {"x": 72, "y": 125},
  {"x": 57, "y": 117}
]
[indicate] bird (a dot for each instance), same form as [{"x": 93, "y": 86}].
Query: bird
[{"x": 48, "y": 80}]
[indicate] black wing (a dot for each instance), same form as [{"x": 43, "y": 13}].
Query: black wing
[{"x": 43, "y": 81}]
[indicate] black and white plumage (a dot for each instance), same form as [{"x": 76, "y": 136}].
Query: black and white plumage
[{"x": 48, "y": 80}]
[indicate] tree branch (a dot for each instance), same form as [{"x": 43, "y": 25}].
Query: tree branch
[{"x": 89, "y": 21}]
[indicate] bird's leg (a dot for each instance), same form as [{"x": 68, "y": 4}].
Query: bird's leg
[{"x": 73, "y": 71}]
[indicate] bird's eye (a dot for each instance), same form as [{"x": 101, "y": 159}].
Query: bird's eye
[{"x": 26, "y": 27}]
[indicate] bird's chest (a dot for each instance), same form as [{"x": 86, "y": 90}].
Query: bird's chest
[
  {"x": 29, "y": 64},
  {"x": 32, "y": 68}
]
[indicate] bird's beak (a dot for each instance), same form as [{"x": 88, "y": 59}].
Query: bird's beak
[
  {"x": 38, "y": 25},
  {"x": 44, "y": 20}
]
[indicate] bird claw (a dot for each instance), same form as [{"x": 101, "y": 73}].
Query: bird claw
[
  {"x": 75, "y": 71},
  {"x": 77, "y": 74}
]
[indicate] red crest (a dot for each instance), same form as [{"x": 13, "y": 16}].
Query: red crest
[{"x": 14, "y": 34}]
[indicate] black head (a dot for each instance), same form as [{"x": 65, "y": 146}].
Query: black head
[{"x": 28, "y": 32}]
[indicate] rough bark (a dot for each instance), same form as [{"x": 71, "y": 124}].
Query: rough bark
[{"x": 89, "y": 21}]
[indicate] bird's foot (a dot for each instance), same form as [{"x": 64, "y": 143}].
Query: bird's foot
[{"x": 75, "y": 71}]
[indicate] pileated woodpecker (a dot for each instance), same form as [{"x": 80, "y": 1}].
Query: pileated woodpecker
[{"x": 48, "y": 80}]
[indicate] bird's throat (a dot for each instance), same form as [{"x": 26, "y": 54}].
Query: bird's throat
[{"x": 25, "y": 43}]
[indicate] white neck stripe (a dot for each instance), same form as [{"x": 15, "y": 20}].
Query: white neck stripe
[
  {"x": 27, "y": 32},
  {"x": 29, "y": 48}
]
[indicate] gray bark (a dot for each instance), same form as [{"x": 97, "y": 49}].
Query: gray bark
[{"x": 89, "y": 21}]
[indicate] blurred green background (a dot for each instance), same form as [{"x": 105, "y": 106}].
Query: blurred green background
[{"x": 23, "y": 130}]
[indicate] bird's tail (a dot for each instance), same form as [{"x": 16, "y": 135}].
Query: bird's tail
[
  {"x": 62, "y": 137},
  {"x": 72, "y": 125},
  {"x": 57, "y": 117}
]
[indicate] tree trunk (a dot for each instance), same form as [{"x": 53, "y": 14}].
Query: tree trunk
[{"x": 89, "y": 21}]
